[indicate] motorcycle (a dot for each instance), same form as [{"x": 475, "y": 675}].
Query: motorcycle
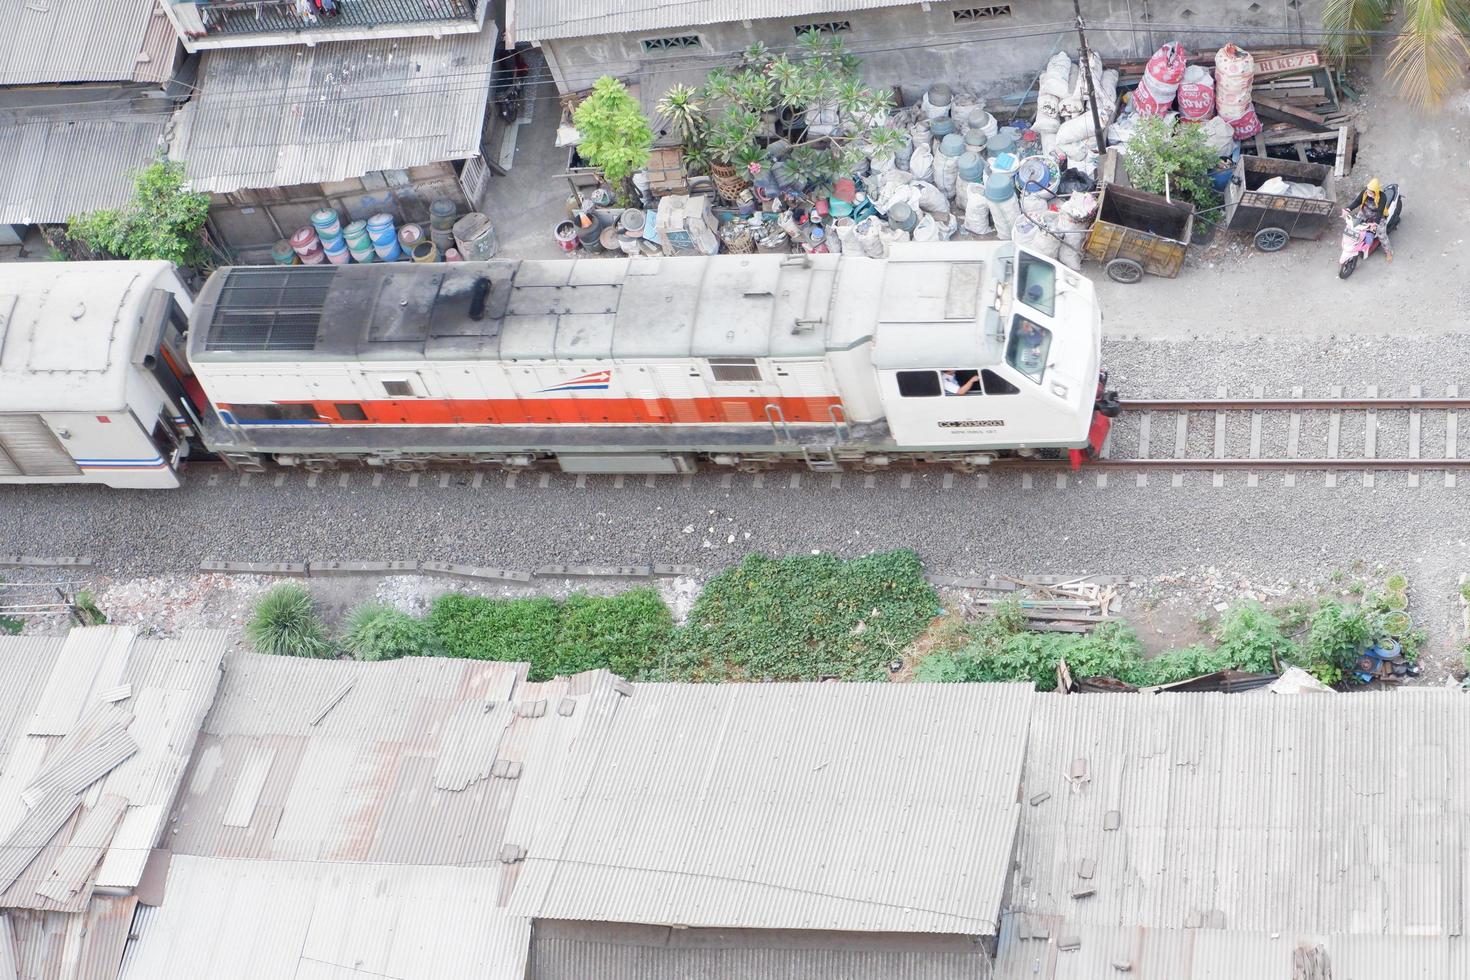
[
  {"x": 1360, "y": 238},
  {"x": 508, "y": 101}
]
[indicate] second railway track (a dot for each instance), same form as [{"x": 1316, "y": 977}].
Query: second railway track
[{"x": 1412, "y": 433}]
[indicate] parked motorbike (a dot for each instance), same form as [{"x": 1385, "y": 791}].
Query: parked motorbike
[
  {"x": 1360, "y": 238},
  {"x": 508, "y": 101}
]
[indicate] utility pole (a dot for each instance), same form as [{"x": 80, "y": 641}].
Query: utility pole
[{"x": 1102, "y": 142}]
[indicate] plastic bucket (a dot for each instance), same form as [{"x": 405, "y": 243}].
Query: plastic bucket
[
  {"x": 971, "y": 167},
  {"x": 1004, "y": 141},
  {"x": 442, "y": 214},
  {"x": 380, "y": 229},
  {"x": 607, "y": 239},
  {"x": 325, "y": 221},
  {"x": 902, "y": 216},
  {"x": 952, "y": 145},
  {"x": 566, "y": 236},
  {"x": 424, "y": 251},
  {"x": 390, "y": 252},
  {"x": 409, "y": 236},
  {"x": 998, "y": 186},
  {"x": 283, "y": 254},
  {"x": 356, "y": 232},
  {"x": 452, "y": 255},
  {"x": 943, "y": 126},
  {"x": 336, "y": 251},
  {"x": 631, "y": 220},
  {"x": 939, "y": 95}
]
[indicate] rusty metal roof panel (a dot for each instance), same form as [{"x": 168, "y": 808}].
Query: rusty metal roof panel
[
  {"x": 93, "y": 659},
  {"x": 75, "y": 41},
  {"x": 71, "y": 874},
  {"x": 1248, "y": 812},
  {"x": 289, "y": 114},
  {"x": 243, "y": 920},
  {"x": 847, "y": 807},
  {"x": 539, "y": 20}
]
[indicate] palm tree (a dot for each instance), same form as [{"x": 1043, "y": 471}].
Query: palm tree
[{"x": 1429, "y": 54}]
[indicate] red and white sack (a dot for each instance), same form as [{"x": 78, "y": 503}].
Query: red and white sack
[
  {"x": 1234, "y": 71},
  {"x": 1164, "y": 72},
  {"x": 1196, "y": 95},
  {"x": 1146, "y": 105},
  {"x": 1247, "y": 125}
]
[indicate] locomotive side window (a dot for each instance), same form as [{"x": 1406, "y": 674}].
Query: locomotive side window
[
  {"x": 398, "y": 389},
  {"x": 274, "y": 413},
  {"x": 1036, "y": 284},
  {"x": 918, "y": 384},
  {"x": 734, "y": 369},
  {"x": 996, "y": 385},
  {"x": 957, "y": 381},
  {"x": 1027, "y": 349},
  {"x": 350, "y": 412}
]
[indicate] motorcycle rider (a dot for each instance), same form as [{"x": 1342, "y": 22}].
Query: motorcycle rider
[{"x": 1371, "y": 207}]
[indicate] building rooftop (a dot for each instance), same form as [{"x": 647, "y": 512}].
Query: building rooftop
[
  {"x": 540, "y": 20},
  {"x": 205, "y": 24},
  {"x": 85, "y": 41},
  {"x": 849, "y": 807},
  {"x": 59, "y": 164},
  {"x": 279, "y": 116},
  {"x": 98, "y": 729}
]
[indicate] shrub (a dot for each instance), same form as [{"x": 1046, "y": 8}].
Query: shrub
[
  {"x": 284, "y": 623},
  {"x": 1251, "y": 638},
  {"x": 11, "y": 625},
  {"x": 627, "y": 633},
  {"x": 1164, "y": 156},
  {"x": 1396, "y": 583},
  {"x": 87, "y": 610},
  {"x": 380, "y": 632},
  {"x": 162, "y": 221},
  {"x": 806, "y": 617},
  {"x": 1337, "y": 633},
  {"x": 496, "y": 629},
  {"x": 615, "y": 134}
]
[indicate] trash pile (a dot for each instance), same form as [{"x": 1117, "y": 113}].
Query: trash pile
[
  {"x": 449, "y": 237},
  {"x": 1024, "y": 170}
]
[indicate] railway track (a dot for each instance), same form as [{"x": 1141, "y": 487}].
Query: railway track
[{"x": 1371, "y": 434}]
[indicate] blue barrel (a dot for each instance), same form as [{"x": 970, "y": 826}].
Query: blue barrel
[
  {"x": 380, "y": 229},
  {"x": 902, "y": 216},
  {"x": 952, "y": 145},
  {"x": 971, "y": 167}
]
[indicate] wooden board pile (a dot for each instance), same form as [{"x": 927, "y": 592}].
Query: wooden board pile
[
  {"x": 1053, "y": 604},
  {"x": 1297, "y": 98}
]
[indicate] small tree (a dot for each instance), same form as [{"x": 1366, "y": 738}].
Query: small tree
[
  {"x": 615, "y": 134},
  {"x": 1175, "y": 161},
  {"x": 162, "y": 221},
  {"x": 823, "y": 83}
]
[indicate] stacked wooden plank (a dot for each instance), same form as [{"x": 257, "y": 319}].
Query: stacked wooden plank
[{"x": 1053, "y": 604}]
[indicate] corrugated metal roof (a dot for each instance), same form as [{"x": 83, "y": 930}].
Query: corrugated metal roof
[
  {"x": 282, "y": 115},
  {"x": 262, "y": 920},
  {"x": 73, "y": 868},
  {"x": 581, "y": 950},
  {"x": 73, "y": 40},
  {"x": 1270, "y": 813},
  {"x": 92, "y": 660},
  {"x": 539, "y": 20},
  {"x": 405, "y": 767},
  {"x": 1213, "y": 954},
  {"x": 60, "y": 166},
  {"x": 159, "y": 50},
  {"x": 28, "y": 661},
  {"x": 850, "y": 807}
]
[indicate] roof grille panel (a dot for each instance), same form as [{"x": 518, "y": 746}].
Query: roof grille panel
[{"x": 269, "y": 309}]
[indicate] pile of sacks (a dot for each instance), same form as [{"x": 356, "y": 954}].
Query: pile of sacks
[
  {"x": 1063, "y": 112},
  {"x": 1201, "y": 97}
]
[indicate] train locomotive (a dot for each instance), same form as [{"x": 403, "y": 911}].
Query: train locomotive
[{"x": 948, "y": 353}]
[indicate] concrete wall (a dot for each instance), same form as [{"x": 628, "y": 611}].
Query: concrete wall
[
  {"x": 913, "y": 47},
  {"x": 251, "y": 221}
]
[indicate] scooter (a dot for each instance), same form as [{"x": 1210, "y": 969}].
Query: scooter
[
  {"x": 1360, "y": 238},
  {"x": 508, "y": 102}
]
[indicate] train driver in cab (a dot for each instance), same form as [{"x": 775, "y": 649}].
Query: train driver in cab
[{"x": 952, "y": 385}]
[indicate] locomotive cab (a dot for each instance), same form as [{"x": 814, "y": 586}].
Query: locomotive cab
[{"x": 994, "y": 353}]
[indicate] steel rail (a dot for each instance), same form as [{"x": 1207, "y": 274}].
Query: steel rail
[{"x": 1289, "y": 404}]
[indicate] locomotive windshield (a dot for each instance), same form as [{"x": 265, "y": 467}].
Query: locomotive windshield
[
  {"x": 1036, "y": 284},
  {"x": 1029, "y": 345}
]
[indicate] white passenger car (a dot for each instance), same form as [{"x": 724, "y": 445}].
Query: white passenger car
[{"x": 93, "y": 382}]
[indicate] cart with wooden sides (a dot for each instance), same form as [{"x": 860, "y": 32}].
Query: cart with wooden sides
[
  {"x": 1273, "y": 219},
  {"x": 1137, "y": 232}
]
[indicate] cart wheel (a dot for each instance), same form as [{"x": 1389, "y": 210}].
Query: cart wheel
[
  {"x": 1346, "y": 269},
  {"x": 1125, "y": 271},
  {"x": 1271, "y": 239}
]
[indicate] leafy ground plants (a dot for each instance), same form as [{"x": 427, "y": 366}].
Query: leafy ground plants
[
  {"x": 162, "y": 221},
  {"x": 380, "y": 632},
  {"x": 285, "y": 623}
]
